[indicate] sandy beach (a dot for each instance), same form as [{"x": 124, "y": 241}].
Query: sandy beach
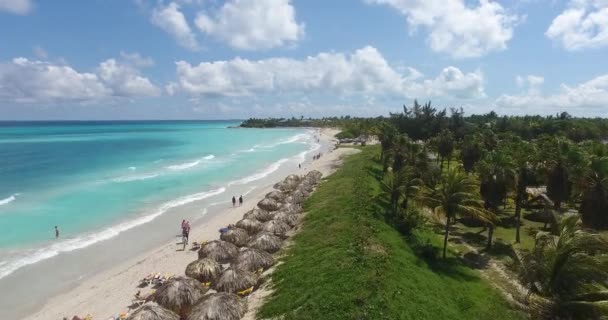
[{"x": 110, "y": 292}]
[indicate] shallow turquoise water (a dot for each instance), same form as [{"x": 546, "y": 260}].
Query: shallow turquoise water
[{"x": 86, "y": 177}]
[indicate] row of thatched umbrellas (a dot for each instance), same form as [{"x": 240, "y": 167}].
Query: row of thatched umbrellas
[{"x": 231, "y": 266}]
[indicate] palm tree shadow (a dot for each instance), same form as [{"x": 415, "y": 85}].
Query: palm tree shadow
[{"x": 452, "y": 267}]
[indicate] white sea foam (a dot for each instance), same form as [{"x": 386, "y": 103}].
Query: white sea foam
[
  {"x": 261, "y": 174},
  {"x": 9, "y": 199},
  {"x": 132, "y": 168},
  {"x": 136, "y": 178},
  {"x": 300, "y": 138},
  {"x": 83, "y": 241},
  {"x": 189, "y": 165}
]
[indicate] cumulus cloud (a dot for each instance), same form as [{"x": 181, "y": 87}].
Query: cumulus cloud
[
  {"x": 137, "y": 59},
  {"x": 32, "y": 81},
  {"x": 587, "y": 98},
  {"x": 531, "y": 82},
  {"x": 125, "y": 81},
  {"x": 584, "y": 24},
  {"x": 456, "y": 28},
  {"x": 172, "y": 20},
  {"x": 16, "y": 6},
  {"x": 364, "y": 72},
  {"x": 253, "y": 24}
]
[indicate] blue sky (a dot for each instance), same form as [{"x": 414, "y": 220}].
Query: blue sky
[{"x": 211, "y": 59}]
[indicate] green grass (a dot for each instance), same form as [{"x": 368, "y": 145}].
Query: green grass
[{"x": 348, "y": 263}]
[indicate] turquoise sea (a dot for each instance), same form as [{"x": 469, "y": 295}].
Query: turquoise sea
[{"x": 95, "y": 180}]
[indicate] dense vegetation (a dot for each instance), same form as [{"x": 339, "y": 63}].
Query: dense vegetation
[
  {"x": 565, "y": 270},
  {"x": 460, "y": 176},
  {"x": 350, "y": 260}
]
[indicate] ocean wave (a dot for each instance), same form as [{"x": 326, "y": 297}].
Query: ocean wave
[
  {"x": 261, "y": 174},
  {"x": 189, "y": 165},
  {"x": 300, "y": 138},
  {"x": 83, "y": 241},
  {"x": 132, "y": 168},
  {"x": 8, "y": 200},
  {"x": 135, "y": 178}
]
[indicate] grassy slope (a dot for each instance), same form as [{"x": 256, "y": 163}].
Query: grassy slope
[{"x": 347, "y": 263}]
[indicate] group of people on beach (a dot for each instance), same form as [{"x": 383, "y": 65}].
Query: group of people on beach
[
  {"x": 317, "y": 156},
  {"x": 234, "y": 201}
]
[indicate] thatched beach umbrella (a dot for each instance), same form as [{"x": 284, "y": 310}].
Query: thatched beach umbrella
[
  {"x": 251, "y": 225},
  {"x": 219, "y": 306},
  {"x": 266, "y": 242},
  {"x": 153, "y": 312},
  {"x": 275, "y": 227},
  {"x": 276, "y": 195},
  {"x": 204, "y": 270},
  {"x": 298, "y": 197},
  {"x": 218, "y": 250},
  {"x": 269, "y": 204},
  {"x": 250, "y": 259},
  {"x": 238, "y": 237},
  {"x": 259, "y": 214},
  {"x": 289, "y": 218},
  {"x": 179, "y": 295},
  {"x": 306, "y": 186},
  {"x": 234, "y": 280}
]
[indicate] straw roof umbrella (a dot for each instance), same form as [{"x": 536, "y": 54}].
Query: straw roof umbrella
[
  {"x": 179, "y": 295},
  {"x": 234, "y": 280},
  {"x": 218, "y": 250},
  {"x": 252, "y": 260},
  {"x": 276, "y": 227},
  {"x": 289, "y": 218},
  {"x": 219, "y": 306},
  {"x": 204, "y": 270},
  {"x": 259, "y": 214},
  {"x": 269, "y": 204},
  {"x": 266, "y": 242},
  {"x": 251, "y": 225},
  {"x": 298, "y": 197},
  {"x": 153, "y": 312},
  {"x": 276, "y": 195},
  {"x": 238, "y": 237}
]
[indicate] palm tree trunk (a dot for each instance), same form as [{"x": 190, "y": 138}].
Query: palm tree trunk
[
  {"x": 445, "y": 238},
  {"x": 441, "y": 164},
  {"x": 517, "y": 217},
  {"x": 490, "y": 235}
]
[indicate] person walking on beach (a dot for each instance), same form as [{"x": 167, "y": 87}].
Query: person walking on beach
[
  {"x": 299, "y": 166},
  {"x": 56, "y": 232},
  {"x": 233, "y": 201},
  {"x": 241, "y": 200}
]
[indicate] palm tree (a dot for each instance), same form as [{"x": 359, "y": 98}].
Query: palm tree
[
  {"x": 386, "y": 134},
  {"x": 524, "y": 158},
  {"x": 497, "y": 175},
  {"x": 445, "y": 146},
  {"x": 566, "y": 272},
  {"x": 456, "y": 196},
  {"x": 393, "y": 184},
  {"x": 565, "y": 161},
  {"x": 471, "y": 152},
  {"x": 594, "y": 204},
  {"x": 411, "y": 186}
]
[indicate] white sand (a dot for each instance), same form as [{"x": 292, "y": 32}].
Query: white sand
[{"x": 110, "y": 292}]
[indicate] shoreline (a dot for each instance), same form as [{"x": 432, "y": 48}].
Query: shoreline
[{"x": 109, "y": 292}]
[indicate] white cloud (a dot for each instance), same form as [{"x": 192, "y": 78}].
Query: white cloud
[
  {"x": 458, "y": 29},
  {"x": 40, "y": 53},
  {"x": 125, "y": 80},
  {"x": 16, "y": 6},
  {"x": 40, "y": 82},
  {"x": 364, "y": 72},
  {"x": 172, "y": 20},
  {"x": 531, "y": 82},
  {"x": 137, "y": 59},
  {"x": 584, "y": 24},
  {"x": 253, "y": 24},
  {"x": 25, "y": 81},
  {"x": 587, "y": 98}
]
